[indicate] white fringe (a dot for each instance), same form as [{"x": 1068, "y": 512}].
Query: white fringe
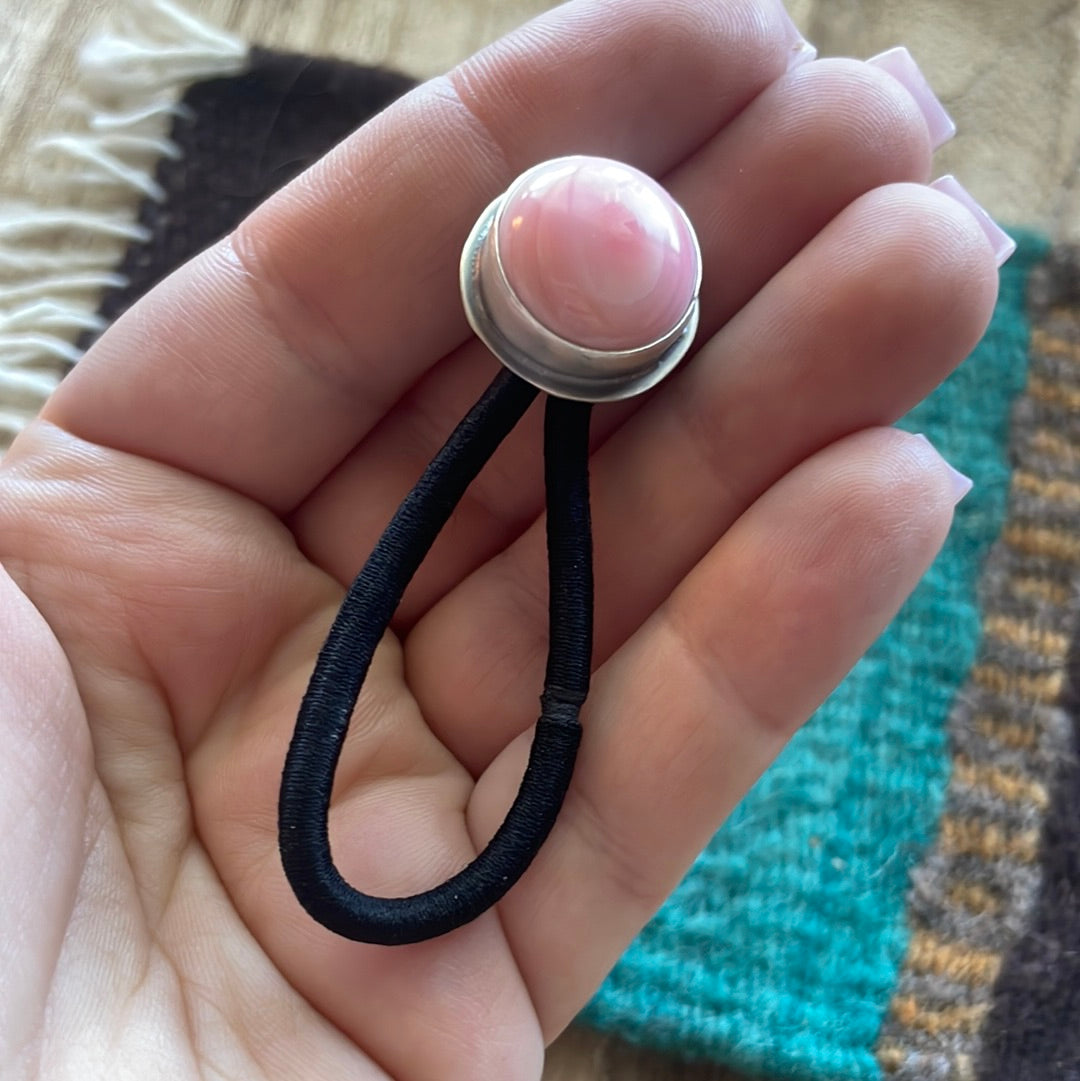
[{"x": 55, "y": 261}]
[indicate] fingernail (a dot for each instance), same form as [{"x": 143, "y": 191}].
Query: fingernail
[
  {"x": 961, "y": 482},
  {"x": 900, "y": 64},
  {"x": 1000, "y": 241},
  {"x": 800, "y": 50}
]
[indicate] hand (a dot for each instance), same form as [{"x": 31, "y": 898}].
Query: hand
[{"x": 179, "y": 525}]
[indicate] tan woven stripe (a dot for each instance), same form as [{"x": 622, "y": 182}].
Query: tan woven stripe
[
  {"x": 1051, "y": 345},
  {"x": 1054, "y": 491},
  {"x": 1043, "y": 687},
  {"x": 1055, "y": 445},
  {"x": 988, "y": 841},
  {"x": 1010, "y": 734},
  {"x": 929, "y": 954},
  {"x": 892, "y": 1057},
  {"x": 1007, "y": 784},
  {"x": 1062, "y": 395},
  {"x": 974, "y": 897},
  {"x": 907, "y": 1011},
  {"x": 1043, "y": 542},
  {"x": 1041, "y": 589},
  {"x": 1027, "y": 635}
]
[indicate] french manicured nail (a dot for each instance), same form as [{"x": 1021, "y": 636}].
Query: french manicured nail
[
  {"x": 1000, "y": 241},
  {"x": 900, "y": 64},
  {"x": 961, "y": 482},
  {"x": 800, "y": 50}
]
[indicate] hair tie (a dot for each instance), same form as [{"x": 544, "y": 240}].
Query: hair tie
[{"x": 583, "y": 279}]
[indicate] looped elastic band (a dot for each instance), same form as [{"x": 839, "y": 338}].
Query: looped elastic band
[{"x": 343, "y": 663}]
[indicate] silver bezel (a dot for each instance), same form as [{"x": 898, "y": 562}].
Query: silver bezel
[{"x": 542, "y": 357}]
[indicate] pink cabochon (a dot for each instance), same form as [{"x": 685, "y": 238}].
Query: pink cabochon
[{"x": 598, "y": 252}]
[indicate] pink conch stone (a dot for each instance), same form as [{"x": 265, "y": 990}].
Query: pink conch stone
[{"x": 598, "y": 253}]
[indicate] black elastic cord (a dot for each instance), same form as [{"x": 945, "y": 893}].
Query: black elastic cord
[{"x": 343, "y": 663}]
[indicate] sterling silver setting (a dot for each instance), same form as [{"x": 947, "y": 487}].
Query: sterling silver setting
[{"x": 540, "y": 356}]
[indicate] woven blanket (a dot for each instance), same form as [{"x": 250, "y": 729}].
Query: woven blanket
[{"x": 899, "y": 896}]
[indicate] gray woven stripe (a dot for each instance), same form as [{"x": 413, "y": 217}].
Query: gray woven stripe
[
  {"x": 1046, "y": 723},
  {"x": 1006, "y": 730},
  {"x": 930, "y": 907}
]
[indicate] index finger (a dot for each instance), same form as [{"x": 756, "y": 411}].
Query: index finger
[{"x": 262, "y": 362}]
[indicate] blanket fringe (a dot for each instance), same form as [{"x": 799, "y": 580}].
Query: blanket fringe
[{"x": 60, "y": 252}]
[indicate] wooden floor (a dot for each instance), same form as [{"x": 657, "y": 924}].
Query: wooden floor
[{"x": 1006, "y": 70}]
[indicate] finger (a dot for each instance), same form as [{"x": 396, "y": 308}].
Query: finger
[
  {"x": 259, "y": 364},
  {"x": 854, "y": 331},
  {"x": 690, "y": 711},
  {"x": 757, "y": 192}
]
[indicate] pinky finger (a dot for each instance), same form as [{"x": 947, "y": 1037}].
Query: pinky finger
[{"x": 689, "y": 712}]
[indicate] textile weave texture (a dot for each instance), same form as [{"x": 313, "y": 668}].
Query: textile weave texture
[
  {"x": 898, "y": 896},
  {"x": 783, "y": 952}
]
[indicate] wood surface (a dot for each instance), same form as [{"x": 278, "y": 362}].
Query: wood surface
[{"x": 1005, "y": 70}]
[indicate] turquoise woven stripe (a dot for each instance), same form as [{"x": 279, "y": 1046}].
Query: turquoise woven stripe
[{"x": 780, "y": 950}]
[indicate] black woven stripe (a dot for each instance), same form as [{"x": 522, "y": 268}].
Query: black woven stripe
[
  {"x": 1034, "y": 1027},
  {"x": 241, "y": 138}
]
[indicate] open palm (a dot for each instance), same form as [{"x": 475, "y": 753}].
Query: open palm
[{"x": 179, "y": 526}]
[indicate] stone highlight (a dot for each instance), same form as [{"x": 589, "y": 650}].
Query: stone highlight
[{"x": 598, "y": 253}]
